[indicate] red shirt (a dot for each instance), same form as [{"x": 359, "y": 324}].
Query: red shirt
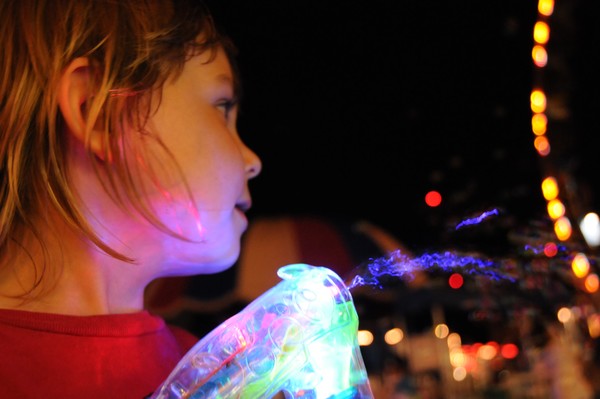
[{"x": 94, "y": 357}]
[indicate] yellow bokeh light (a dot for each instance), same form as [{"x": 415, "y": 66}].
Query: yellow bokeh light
[
  {"x": 393, "y": 336},
  {"x": 441, "y": 331},
  {"x": 542, "y": 145},
  {"x": 541, "y": 32},
  {"x": 556, "y": 208},
  {"x": 457, "y": 357},
  {"x": 365, "y": 337},
  {"x": 564, "y": 315},
  {"x": 546, "y": 7},
  {"x": 538, "y": 101},
  {"x": 539, "y": 55},
  {"x": 591, "y": 283},
  {"x": 580, "y": 265},
  {"x": 562, "y": 228},
  {"x": 539, "y": 124},
  {"x": 550, "y": 188}
]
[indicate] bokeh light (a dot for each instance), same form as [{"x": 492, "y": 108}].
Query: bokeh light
[
  {"x": 487, "y": 352},
  {"x": 556, "y": 209},
  {"x": 539, "y": 124},
  {"x": 550, "y": 249},
  {"x": 365, "y": 337},
  {"x": 593, "y": 323},
  {"x": 562, "y": 228},
  {"x": 546, "y": 7},
  {"x": 539, "y": 55},
  {"x": 580, "y": 265},
  {"x": 454, "y": 340},
  {"x": 591, "y": 283},
  {"x": 393, "y": 336},
  {"x": 458, "y": 357},
  {"x": 509, "y": 351},
  {"x": 459, "y": 373},
  {"x": 549, "y": 188},
  {"x": 433, "y": 198},
  {"x": 441, "y": 331},
  {"x": 541, "y": 32},
  {"x": 538, "y": 101},
  {"x": 455, "y": 280},
  {"x": 542, "y": 145},
  {"x": 590, "y": 229},
  {"x": 564, "y": 315}
]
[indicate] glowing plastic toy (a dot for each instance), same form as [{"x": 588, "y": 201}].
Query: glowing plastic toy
[{"x": 299, "y": 337}]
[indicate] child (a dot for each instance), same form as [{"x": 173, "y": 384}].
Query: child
[{"x": 120, "y": 163}]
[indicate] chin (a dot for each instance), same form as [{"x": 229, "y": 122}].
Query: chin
[
  {"x": 182, "y": 268},
  {"x": 186, "y": 261}
]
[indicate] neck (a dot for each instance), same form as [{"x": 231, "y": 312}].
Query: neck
[{"x": 68, "y": 275}]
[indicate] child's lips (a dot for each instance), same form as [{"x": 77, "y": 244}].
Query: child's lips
[{"x": 244, "y": 206}]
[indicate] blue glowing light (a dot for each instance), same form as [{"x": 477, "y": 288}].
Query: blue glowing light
[
  {"x": 478, "y": 219},
  {"x": 539, "y": 249},
  {"x": 402, "y": 266}
]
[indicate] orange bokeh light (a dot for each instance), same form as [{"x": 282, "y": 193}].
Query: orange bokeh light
[
  {"x": 591, "y": 283},
  {"x": 539, "y": 55},
  {"x": 542, "y": 145},
  {"x": 562, "y": 228}
]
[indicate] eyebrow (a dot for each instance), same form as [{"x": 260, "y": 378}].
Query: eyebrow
[
  {"x": 225, "y": 77},
  {"x": 234, "y": 81}
]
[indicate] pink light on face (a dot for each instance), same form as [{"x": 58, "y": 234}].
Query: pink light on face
[
  {"x": 174, "y": 205},
  {"x": 196, "y": 215}
]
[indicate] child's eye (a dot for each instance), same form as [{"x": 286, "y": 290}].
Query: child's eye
[{"x": 226, "y": 106}]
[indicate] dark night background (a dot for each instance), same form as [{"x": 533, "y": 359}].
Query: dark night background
[{"x": 358, "y": 109}]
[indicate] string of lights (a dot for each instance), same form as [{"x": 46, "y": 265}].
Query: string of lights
[
  {"x": 563, "y": 256},
  {"x": 541, "y": 120}
]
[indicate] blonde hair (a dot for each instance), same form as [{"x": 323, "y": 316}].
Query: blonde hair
[{"x": 133, "y": 46}]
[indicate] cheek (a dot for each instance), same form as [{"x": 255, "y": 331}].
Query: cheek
[
  {"x": 217, "y": 183},
  {"x": 204, "y": 153},
  {"x": 213, "y": 162}
]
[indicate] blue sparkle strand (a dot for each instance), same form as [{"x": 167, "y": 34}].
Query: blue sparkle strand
[
  {"x": 539, "y": 249},
  {"x": 478, "y": 219},
  {"x": 402, "y": 266}
]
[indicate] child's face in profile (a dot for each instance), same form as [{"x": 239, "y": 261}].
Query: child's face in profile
[{"x": 196, "y": 120}]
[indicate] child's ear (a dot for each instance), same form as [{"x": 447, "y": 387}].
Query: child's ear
[{"x": 75, "y": 88}]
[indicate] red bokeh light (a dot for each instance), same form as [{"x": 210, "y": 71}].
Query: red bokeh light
[
  {"x": 550, "y": 249},
  {"x": 455, "y": 281},
  {"x": 433, "y": 198},
  {"x": 509, "y": 351}
]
